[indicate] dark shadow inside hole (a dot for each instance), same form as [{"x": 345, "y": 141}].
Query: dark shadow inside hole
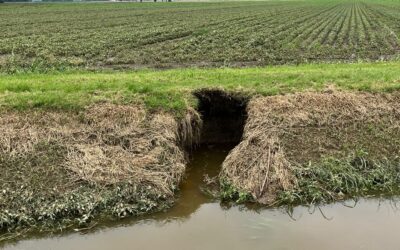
[{"x": 223, "y": 114}]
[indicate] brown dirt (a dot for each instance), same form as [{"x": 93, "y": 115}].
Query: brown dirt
[{"x": 287, "y": 130}]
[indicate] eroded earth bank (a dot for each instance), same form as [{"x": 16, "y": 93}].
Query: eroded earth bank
[{"x": 66, "y": 169}]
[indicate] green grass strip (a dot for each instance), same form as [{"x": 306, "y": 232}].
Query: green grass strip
[{"x": 171, "y": 89}]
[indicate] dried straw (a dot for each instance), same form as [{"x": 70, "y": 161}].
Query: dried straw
[{"x": 260, "y": 163}]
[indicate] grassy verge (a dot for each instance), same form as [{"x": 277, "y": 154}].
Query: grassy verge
[{"x": 171, "y": 89}]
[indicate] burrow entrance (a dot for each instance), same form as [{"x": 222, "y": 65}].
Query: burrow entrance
[{"x": 223, "y": 114}]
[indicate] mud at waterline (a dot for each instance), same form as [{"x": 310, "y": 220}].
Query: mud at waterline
[{"x": 114, "y": 161}]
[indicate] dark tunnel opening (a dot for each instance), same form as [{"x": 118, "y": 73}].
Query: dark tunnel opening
[{"x": 223, "y": 114}]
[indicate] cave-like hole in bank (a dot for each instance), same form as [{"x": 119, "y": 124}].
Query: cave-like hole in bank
[{"x": 223, "y": 115}]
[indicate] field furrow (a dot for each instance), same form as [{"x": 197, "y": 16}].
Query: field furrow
[
  {"x": 321, "y": 34},
  {"x": 184, "y": 34}
]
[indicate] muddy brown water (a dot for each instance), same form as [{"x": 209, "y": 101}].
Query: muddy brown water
[{"x": 199, "y": 222}]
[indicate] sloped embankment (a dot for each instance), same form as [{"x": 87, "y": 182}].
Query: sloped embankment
[
  {"x": 62, "y": 168},
  {"x": 317, "y": 147}
]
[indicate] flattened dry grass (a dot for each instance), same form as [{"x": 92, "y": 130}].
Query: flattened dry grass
[
  {"x": 277, "y": 140},
  {"x": 64, "y": 168}
]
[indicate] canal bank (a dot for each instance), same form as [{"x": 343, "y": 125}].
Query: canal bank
[
  {"x": 198, "y": 221},
  {"x": 72, "y": 170}
]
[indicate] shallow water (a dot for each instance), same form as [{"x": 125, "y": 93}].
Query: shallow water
[{"x": 198, "y": 222}]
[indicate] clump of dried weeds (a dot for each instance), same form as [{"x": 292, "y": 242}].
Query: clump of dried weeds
[
  {"x": 62, "y": 168},
  {"x": 288, "y": 131}
]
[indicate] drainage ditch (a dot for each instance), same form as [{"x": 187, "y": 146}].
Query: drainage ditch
[{"x": 223, "y": 116}]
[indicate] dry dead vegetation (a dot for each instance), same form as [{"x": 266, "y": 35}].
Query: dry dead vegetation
[
  {"x": 109, "y": 158},
  {"x": 60, "y": 169},
  {"x": 285, "y": 132}
]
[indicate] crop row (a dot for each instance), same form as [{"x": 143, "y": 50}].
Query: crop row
[{"x": 182, "y": 34}]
